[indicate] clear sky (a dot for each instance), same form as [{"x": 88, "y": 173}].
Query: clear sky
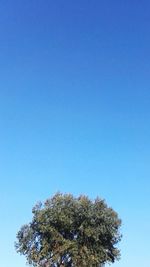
[{"x": 75, "y": 113}]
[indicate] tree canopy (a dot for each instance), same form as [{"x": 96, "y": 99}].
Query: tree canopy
[{"x": 71, "y": 232}]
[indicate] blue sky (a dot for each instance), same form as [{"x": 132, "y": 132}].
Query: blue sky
[{"x": 74, "y": 113}]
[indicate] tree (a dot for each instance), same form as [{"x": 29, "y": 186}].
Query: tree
[{"x": 70, "y": 232}]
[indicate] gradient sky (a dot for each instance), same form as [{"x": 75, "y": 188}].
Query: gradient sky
[{"x": 75, "y": 113}]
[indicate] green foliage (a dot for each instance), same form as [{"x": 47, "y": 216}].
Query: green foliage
[{"x": 68, "y": 231}]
